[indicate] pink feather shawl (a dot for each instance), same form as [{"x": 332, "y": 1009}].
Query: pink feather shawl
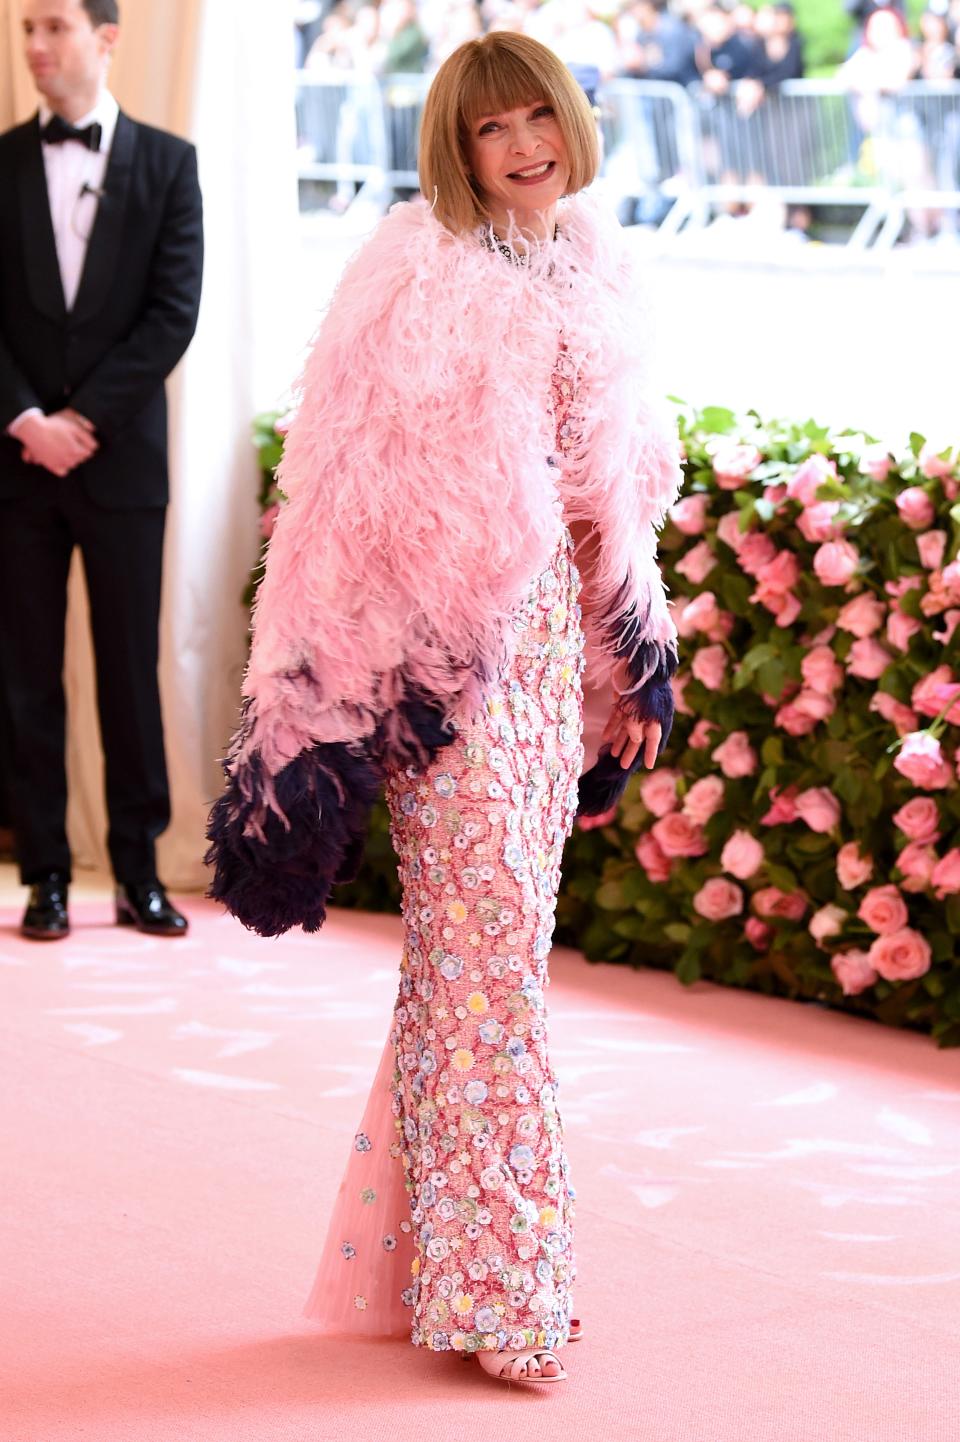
[
  {"x": 420, "y": 499},
  {"x": 425, "y": 490}
]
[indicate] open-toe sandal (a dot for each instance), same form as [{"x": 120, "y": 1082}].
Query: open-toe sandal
[{"x": 511, "y": 1366}]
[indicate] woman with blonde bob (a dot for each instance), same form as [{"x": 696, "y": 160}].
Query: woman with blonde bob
[{"x": 475, "y": 430}]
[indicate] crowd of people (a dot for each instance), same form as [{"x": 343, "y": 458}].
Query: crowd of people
[{"x": 710, "y": 43}]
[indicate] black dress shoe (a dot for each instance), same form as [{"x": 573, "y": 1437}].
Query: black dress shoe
[
  {"x": 45, "y": 918},
  {"x": 146, "y": 906}
]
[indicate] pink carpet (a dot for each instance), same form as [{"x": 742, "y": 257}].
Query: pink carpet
[{"x": 768, "y": 1204}]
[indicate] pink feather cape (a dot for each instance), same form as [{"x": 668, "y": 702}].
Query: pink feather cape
[{"x": 422, "y": 481}]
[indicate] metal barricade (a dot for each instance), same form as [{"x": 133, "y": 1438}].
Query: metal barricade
[
  {"x": 918, "y": 152},
  {"x": 677, "y": 156},
  {"x": 650, "y": 153},
  {"x": 802, "y": 143},
  {"x": 403, "y": 98},
  {"x": 341, "y": 130}
]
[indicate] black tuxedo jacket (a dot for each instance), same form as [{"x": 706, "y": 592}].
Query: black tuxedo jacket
[{"x": 133, "y": 318}]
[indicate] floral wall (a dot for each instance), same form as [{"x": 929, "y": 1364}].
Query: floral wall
[{"x": 801, "y": 834}]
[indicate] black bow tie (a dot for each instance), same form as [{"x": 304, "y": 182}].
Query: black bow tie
[{"x": 57, "y": 130}]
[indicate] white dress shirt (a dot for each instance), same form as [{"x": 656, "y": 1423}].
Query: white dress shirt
[{"x": 69, "y": 167}]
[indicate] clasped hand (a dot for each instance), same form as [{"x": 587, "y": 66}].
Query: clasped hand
[
  {"x": 627, "y": 735},
  {"x": 59, "y": 443}
]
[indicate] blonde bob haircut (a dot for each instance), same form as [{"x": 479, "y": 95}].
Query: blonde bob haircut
[{"x": 500, "y": 72}]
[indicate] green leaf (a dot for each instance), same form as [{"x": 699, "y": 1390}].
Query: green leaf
[
  {"x": 677, "y": 931},
  {"x": 717, "y": 419},
  {"x": 687, "y": 969},
  {"x": 953, "y": 914},
  {"x": 610, "y": 896},
  {"x": 917, "y": 442},
  {"x": 771, "y": 752}
]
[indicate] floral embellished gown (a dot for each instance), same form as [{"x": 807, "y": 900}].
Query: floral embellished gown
[{"x": 453, "y": 1224}]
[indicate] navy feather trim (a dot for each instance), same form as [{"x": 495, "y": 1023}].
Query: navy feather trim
[
  {"x": 603, "y": 785},
  {"x": 274, "y": 874}
]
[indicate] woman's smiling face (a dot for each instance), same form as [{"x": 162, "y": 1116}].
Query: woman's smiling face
[{"x": 519, "y": 161}]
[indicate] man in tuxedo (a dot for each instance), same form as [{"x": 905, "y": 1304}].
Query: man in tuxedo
[{"x": 101, "y": 253}]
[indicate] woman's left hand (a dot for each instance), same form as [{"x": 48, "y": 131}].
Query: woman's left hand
[{"x": 628, "y": 737}]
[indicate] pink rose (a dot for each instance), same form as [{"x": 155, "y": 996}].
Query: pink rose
[
  {"x": 862, "y": 616},
  {"x": 933, "y": 464},
  {"x": 756, "y": 551},
  {"x": 916, "y": 864},
  {"x": 902, "y": 585},
  {"x": 868, "y": 659},
  {"x": 799, "y": 716},
  {"x": 921, "y": 761},
  {"x": 783, "y": 810},
  {"x": 709, "y": 666},
  {"x": 758, "y": 933},
  {"x": 916, "y": 508},
  {"x": 900, "y": 955},
  {"x": 951, "y": 620},
  {"x": 819, "y": 522},
  {"x": 704, "y": 799},
  {"x": 678, "y": 685},
  {"x": 814, "y": 704},
  {"x": 934, "y": 692},
  {"x": 875, "y": 462},
  {"x": 835, "y": 562},
  {"x": 951, "y": 575},
  {"x": 781, "y": 573},
  {"x": 651, "y": 858},
  {"x": 774, "y": 580},
  {"x": 742, "y": 855},
  {"x": 901, "y": 628},
  {"x": 718, "y": 899},
  {"x": 771, "y": 901},
  {"x": 729, "y": 532},
  {"x": 786, "y": 607},
  {"x": 931, "y": 546},
  {"x": 826, "y": 922},
  {"x": 689, "y": 515},
  {"x": 794, "y": 721},
  {"x": 946, "y": 874},
  {"x": 895, "y": 712},
  {"x": 919, "y": 819},
  {"x": 853, "y": 869},
  {"x": 701, "y": 733},
  {"x": 819, "y": 808},
  {"x": 697, "y": 564},
  {"x": 806, "y": 479},
  {"x": 883, "y": 909},
  {"x": 701, "y": 614},
  {"x": 735, "y": 756},
  {"x": 593, "y": 823},
  {"x": 268, "y": 520},
  {"x": 658, "y": 791},
  {"x": 821, "y": 670},
  {"x": 853, "y": 971},
  {"x": 679, "y": 835},
  {"x": 733, "y": 463}
]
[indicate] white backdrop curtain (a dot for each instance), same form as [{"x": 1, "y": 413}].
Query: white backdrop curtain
[{"x": 220, "y": 73}]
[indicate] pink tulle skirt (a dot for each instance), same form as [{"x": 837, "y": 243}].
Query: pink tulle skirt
[{"x": 369, "y": 1248}]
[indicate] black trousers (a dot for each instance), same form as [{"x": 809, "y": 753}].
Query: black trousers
[{"x": 122, "y": 557}]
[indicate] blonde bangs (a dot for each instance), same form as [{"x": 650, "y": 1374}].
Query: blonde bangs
[
  {"x": 500, "y": 80},
  {"x": 500, "y": 72}
]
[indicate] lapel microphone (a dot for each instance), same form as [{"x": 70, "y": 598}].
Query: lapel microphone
[{"x": 88, "y": 189}]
